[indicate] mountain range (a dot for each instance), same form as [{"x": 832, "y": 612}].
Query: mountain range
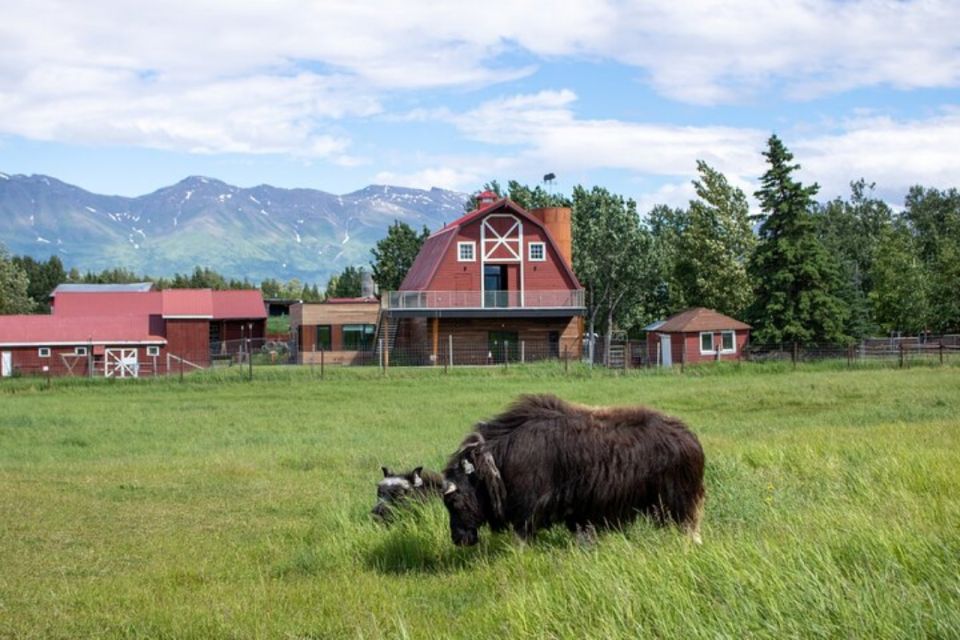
[{"x": 256, "y": 233}]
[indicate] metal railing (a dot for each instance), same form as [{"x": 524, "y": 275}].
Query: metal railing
[{"x": 500, "y": 299}]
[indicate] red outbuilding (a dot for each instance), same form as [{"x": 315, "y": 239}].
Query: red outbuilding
[
  {"x": 496, "y": 283},
  {"x": 122, "y": 330},
  {"x": 696, "y": 335}
]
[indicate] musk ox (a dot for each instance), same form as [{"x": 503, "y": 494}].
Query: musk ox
[
  {"x": 545, "y": 461},
  {"x": 397, "y": 488}
]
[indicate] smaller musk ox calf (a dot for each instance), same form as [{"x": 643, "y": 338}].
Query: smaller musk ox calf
[
  {"x": 545, "y": 461},
  {"x": 397, "y": 488}
]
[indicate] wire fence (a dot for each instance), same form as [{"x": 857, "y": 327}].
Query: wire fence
[{"x": 250, "y": 354}]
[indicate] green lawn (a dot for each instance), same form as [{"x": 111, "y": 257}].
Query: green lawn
[{"x": 225, "y": 508}]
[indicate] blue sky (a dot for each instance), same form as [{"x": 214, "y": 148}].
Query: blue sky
[{"x": 119, "y": 98}]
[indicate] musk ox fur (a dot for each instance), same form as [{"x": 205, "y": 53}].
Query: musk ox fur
[
  {"x": 397, "y": 489},
  {"x": 545, "y": 461}
]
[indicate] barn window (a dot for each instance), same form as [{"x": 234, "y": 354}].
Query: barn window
[
  {"x": 466, "y": 251},
  {"x": 537, "y": 252},
  {"x": 79, "y": 351},
  {"x": 324, "y": 341},
  {"x": 357, "y": 336},
  {"x": 43, "y": 352},
  {"x": 153, "y": 351},
  {"x": 727, "y": 341},
  {"x": 706, "y": 342}
]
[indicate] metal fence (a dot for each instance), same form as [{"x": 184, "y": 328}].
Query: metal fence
[{"x": 451, "y": 352}]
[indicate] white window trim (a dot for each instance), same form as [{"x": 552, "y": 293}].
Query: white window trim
[
  {"x": 43, "y": 352},
  {"x": 473, "y": 251},
  {"x": 153, "y": 351},
  {"x": 734, "y": 349},
  {"x": 80, "y": 351},
  {"x": 713, "y": 347},
  {"x": 714, "y": 342},
  {"x": 542, "y": 245}
]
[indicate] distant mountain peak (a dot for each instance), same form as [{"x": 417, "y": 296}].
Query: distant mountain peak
[{"x": 256, "y": 233}]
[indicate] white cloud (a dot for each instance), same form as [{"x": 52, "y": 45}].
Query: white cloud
[{"x": 541, "y": 130}]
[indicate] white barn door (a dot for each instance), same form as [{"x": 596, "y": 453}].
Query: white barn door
[
  {"x": 120, "y": 363},
  {"x": 6, "y": 364}
]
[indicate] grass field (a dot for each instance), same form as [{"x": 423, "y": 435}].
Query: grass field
[{"x": 225, "y": 508}]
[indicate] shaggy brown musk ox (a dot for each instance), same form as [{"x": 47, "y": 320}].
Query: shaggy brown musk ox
[{"x": 546, "y": 461}]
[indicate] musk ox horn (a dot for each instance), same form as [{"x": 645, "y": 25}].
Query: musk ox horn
[
  {"x": 449, "y": 488},
  {"x": 494, "y": 482}
]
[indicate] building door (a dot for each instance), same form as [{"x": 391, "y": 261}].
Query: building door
[
  {"x": 666, "y": 355},
  {"x": 553, "y": 340},
  {"x": 494, "y": 285},
  {"x": 6, "y": 364},
  {"x": 120, "y": 363},
  {"x": 503, "y": 345}
]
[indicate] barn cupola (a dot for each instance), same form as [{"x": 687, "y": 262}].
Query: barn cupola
[{"x": 486, "y": 197}]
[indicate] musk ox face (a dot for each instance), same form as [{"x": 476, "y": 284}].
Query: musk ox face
[
  {"x": 461, "y": 497},
  {"x": 393, "y": 491}
]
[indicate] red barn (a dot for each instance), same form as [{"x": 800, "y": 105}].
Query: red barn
[
  {"x": 696, "y": 335},
  {"x": 118, "y": 347},
  {"x": 495, "y": 283},
  {"x": 127, "y": 331}
]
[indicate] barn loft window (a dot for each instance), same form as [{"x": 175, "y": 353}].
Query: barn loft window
[
  {"x": 79, "y": 351},
  {"x": 324, "y": 338},
  {"x": 466, "y": 251},
  {"x": 537, "y": 252},
  {"x": 43, "y": 352},
  {"x": 153, "y": 351},
  {"x": 357, "y": 336}
]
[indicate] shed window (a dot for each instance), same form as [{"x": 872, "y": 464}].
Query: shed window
[
  {"x": 153, "y": 351},
  {"x": 324, "y": 341},
  {"x": 727, "y": 341},
  {"x": 466, "y": 251},
  {"x": 706, "y": 342},
  {"x": 537, "y": 252},
  {"x": 357, "y": 336},
  {"x": 43, "y": 352},
  {"x": 79, "y": 351}
]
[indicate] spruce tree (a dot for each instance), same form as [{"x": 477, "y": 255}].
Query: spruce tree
[{"x": 795, "y": 278}]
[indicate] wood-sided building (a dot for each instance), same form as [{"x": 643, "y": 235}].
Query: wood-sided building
[
  {"x": 341, "y": 329},
  {"x": 696, "y": 335},
  {"x": 496, "y": 283},
  {"x": 129, "y": 331}
]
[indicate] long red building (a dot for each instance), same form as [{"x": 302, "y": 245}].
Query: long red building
[
  {"x": 120, "y": 331},
  {"x": 496, "y": 283}
]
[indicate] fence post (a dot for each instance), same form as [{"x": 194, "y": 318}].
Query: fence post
[
  {"x": 900, "y": 347},
  {"x": 849, "y": 356},
  {"x": 523, "y": 351},
  {"x": 626, "y": 355},
  {"x": 450, "y": 350},
  {"x": 250, "y": 357},
  {"x": 506, "y": 356},
  {"x": 181, "y": 369},
  {"x": 321, "y": 362},
  {"x": 565, "y": 360},
  {"x": 941, "y": 351},
  {"x": 683, "y": 353}
]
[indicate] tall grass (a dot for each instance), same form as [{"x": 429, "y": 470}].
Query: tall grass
[{"x": 226, "y": 508}]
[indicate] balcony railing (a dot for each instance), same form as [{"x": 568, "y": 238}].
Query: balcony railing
[{"x": 557, "y": 299}]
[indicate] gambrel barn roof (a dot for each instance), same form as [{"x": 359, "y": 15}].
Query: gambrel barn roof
[{"x": 436, "y": 247}]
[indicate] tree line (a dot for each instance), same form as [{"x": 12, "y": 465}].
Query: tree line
[{"x": 797, "y": 270}]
